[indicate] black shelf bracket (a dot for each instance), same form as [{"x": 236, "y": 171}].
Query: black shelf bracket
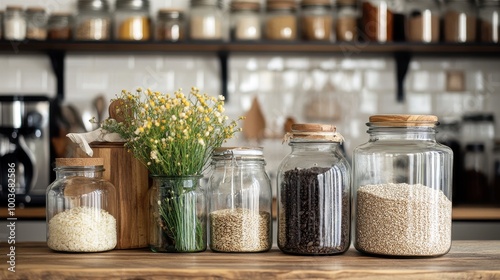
[
  {"x": 224, "y": 74},
  {"x": 402, "y": 62},
  {"x": 57, "y": 61}
]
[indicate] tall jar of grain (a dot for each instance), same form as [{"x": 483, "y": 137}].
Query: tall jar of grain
[
  {"x": 93, "y": 21},
  {"x": 81, "y": 207},
  {"x": 314, "y": 185},
  {"x": 402, "y": 188},
  {"x": 240, "y": 201},
  {"x": 207, "y": 20},
  {"x": 317, "y": 20},
  {"x": 280, "y": 22}
]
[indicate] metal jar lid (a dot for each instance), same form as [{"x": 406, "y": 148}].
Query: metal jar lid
[
  {"x": 164, "y": 14},
  {"x": 228, "y": 153},
  {"x": 93, "y": 5},
  {"x": 217, "y": 3},
  {"x": 132, "y": 5}
]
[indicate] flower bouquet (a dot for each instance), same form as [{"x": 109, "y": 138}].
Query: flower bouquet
[{"x": 174, "y": 136}]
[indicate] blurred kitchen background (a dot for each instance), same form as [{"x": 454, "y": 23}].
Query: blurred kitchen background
[{"x": 271, "y": 89}]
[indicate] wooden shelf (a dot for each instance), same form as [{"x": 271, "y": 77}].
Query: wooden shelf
[
  {"x": 476, "y": 213},
  {"x": 473, "y": 49},
  {"x": 24, "y": 213}
]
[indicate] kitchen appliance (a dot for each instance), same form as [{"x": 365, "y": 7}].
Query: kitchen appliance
[{"x": 25, "y": 141}]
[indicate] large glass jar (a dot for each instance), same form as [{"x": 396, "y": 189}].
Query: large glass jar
[
  {"x": 422, "y": 21},
  {"x": 346, "y": 25},
  {"x": 402, "y": 188},
  {"x": 489, "y": 16},
  {"x": 81, "y": 207},
  {"x": 245, "y": 21},
  {"x": 59, "y": 26},
  {"x": 378, "y": 20},
  {"x": 14, "y": 23},
  {"x": 280, "y": 20},
  {"x": 36, "y": 19},
  {"x": 170, "y": 25},
  {"x": 240, "y": 201},
  {"x": 314, "y": 193},
  {"x": 93, "y": 22},
  {"x": 317, "y": 20},
  {"x": 207, "y": 20},
  {"x": 460, "y": 21},
  {"x": 132, "y": 21}
]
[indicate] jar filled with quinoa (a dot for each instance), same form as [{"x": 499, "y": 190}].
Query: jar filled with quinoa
[
  {"x": 81, "y": 207},
  {"x": 402, "y": 188}
]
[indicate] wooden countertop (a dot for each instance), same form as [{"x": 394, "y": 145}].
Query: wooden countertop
[{"x": 466, "y": 260}]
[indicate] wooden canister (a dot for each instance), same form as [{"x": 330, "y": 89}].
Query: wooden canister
[{"x": 131, "y": 181}]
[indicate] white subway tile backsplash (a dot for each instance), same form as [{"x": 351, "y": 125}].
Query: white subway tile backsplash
[
  {"x": 419, "y": 103},
  {"x": 380, "y": 80}
]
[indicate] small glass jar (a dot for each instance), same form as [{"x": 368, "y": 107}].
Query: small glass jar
[
  {"x": 314, "y": 193},
  {"x": 402, "y": 188},
  {"x": 170, "y": 25},
  {"x": 93, "y": 22},
  {"x": 378, "y": 20},
  {"x": 489, "y": 16},
  {"x": 81, "y": 207},
  {"x": 422, "y": 21},
  {"x": 240, "y": 201},
  {"x": 317, "y": 20},
  {"x": 207, "y": 20},
  {"x": 476, "y": 185},
  {"x": 59, "y": 26},
  {"x": 14, "y": 23},
  {"x": 460, "y": 21},
  {"x": 346, "y": 25},
  {"x": 132, "y": 21},
  {"x": 245, "y": 21},
  {"x": 36, "y": 19},
  {"x": 280, "y": 20}
]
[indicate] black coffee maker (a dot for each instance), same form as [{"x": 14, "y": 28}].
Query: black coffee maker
[{"x": 25, "y": 154}]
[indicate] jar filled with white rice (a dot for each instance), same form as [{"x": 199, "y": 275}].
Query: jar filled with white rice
[{"x": 81, "y": 207}]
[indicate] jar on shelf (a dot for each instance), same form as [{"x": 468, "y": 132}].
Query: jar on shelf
[
  {"x": 476, "y": 185},
  {"x": 422, "y": 21},
  {"x": 245, "y": 21},
  {"x": 170, "y": 25},
  {"x": 489, "y": 17},
  {"x": 93, "y": 21},
  {"x": 81, "y": 207},
  {"x": 316, "y": 20},
  {"x": 377, "y": 20},
  {"x": 207, "y": 20},
  {"x": 14, "y": 23},
  {"x": 314, "y": 193},
  {"x": 36, "y": 20},
  {"x": 402, "y": 188},
  {"x": 460, "y": 18},
  {"x": 59, "y": 26},
  {"x": 132, "y": 21},
  {"x": 240, "y": 201},
  {"x": 280, "y": 20},
  {"x": 346, "y": 24}
]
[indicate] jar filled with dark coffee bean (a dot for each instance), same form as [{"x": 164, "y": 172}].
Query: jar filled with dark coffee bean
[
  {"x": 489, "y": 17},
  {"x": 316, "y": 20},
  {"x": 314, "y": 193},
  {"x": 59, "y": 26}
]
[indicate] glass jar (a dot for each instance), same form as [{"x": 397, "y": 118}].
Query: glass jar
[
  {"x": 59, "y": 26},
  {"x": 402, "y": 188},
  {"x": 422, "y": 21},
  {"x": 347, "y": 23},
  {"x": 14, "y": 23},
  {"x": 81, "y": 207},
  {"x": 280, "y": 20},
  {"x": 489, "y": 16},
  {"x": 317, "y": 20},
  {"x": 460, "y": 21},
  {"x": 207, "y": 20},
  {"x": 170, "y": 25},
  {"x": 177, "y": 214},
  {"x": 378, "y": 20},
  {"x": 245, "y": 21},
  {"x": 93, "y": 22},
  {"x": 240, "y": 201},
  {"x": 475, "y": 176},
  {"x": 314, "y": 193},
  {"x": 36, "y": 19},
  {"x": 132, "y": 22}
]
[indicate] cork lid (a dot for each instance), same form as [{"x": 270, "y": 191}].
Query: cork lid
[
  {"x": 313, "y": 127},
  {"x": 281, "y": 5},
  {"x": 79, "y": 162},
  {"x": 404, "y": 120},
  {"x": 314, "y": 131},
  {"x": 245, "y": 6}
]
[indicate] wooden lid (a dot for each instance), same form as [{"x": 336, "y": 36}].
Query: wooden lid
[
  {"x": 79, "y": 162},
  {"x": 313, "y": 127},
  {"x": 281, "y": 4},
  {"x": 404, "y": 120}
]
